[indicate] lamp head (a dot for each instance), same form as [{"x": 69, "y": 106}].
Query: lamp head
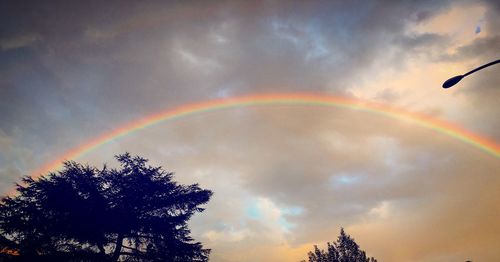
[{"x": 452, "y": 81}]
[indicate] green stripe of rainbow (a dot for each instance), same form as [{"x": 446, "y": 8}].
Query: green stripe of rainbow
[{"x": 309, "y": 99}]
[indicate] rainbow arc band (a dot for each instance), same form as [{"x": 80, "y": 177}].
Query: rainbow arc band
[{"x": 310, "y": 99}]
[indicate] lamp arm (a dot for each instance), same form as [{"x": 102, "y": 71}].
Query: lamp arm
[{"x": 481, "y": 67}]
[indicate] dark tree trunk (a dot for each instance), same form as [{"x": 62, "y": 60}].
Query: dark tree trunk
[
  {"x": 118, "y": 249},
  {"x": 102, "y": 251}
]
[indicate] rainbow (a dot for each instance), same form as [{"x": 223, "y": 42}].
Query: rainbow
[{"x": 309, "y": 99}]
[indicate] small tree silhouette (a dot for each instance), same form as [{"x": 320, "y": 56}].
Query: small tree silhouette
[
  {"x": 344, "y": 250},
  {"x": 134, "y": 213}
]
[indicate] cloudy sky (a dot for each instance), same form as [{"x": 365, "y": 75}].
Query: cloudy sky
[{"x": 285, "y": 177}]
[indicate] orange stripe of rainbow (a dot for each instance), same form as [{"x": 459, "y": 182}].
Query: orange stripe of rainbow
[{"x": 451, "y": 130}]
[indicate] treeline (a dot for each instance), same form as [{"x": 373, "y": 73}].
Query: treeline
[{"x": 132, "y": 213}]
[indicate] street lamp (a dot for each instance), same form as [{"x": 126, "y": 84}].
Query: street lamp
[{"x": 452, "y": 81}]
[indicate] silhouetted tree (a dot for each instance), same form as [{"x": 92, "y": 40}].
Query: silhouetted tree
[
  {"x": 134, "y": 213},
  {"x": 344, "y": 250}
]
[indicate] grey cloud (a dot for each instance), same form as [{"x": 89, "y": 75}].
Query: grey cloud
[
  {"x": 97, "y": 66},
  {"x": 18, "y": 42},
  {"x": 428, "y": 46},
  {"x": 486, "y": 48},
  {"x": 13, "y": 162},
  {"x": 245, "y": 153},
  {"x": 482, "y": 87}
]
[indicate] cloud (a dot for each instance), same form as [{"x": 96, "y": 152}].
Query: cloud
[
  {"x": 18, "y": 42},
  {"x": 406, "y": 176},
  {"x": 13, "y": 162},
  {"x": 284, "y": 177}
]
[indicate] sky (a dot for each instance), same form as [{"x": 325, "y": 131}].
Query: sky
[{"x": 284, "y": 177}]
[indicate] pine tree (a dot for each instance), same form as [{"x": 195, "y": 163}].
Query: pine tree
[
  {"x": 134, "y": 213},
  {"x": 344, "y": 250}
]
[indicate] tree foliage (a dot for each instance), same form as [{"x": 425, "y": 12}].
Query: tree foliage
[
  {"x": 133, "y": 213},
  {"x": 344, "y": 250}
]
